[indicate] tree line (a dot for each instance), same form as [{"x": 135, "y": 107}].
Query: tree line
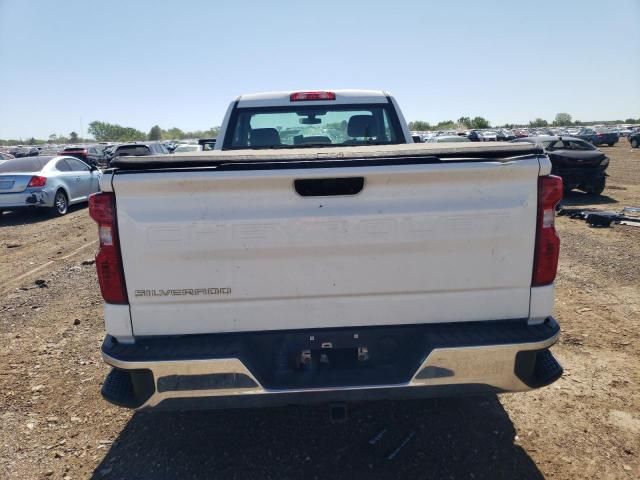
[
  {"x": 560, "y": 120},
  {"x": 462, "y": 122},
  {"x": 112, "y": 132}
]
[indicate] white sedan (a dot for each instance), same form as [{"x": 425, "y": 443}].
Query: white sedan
[{"x": 188, "y": 147}]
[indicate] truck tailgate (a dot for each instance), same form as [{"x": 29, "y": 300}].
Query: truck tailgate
[{"x": 226, "y": 251}]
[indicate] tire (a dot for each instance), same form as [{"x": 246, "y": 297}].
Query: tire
[
  {"x": 610, "y": 144},
  {"x": 634, "y": 143},
  {"x": 595, "y": 188},
  {"x": 60, "y": 204}
]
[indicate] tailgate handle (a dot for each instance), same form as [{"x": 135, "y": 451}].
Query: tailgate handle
[{"x": 325, "y": 187}]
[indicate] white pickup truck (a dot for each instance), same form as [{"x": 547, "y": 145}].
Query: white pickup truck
[{"x": 319, "y": 255}]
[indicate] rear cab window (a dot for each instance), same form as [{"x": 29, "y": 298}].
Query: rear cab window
[{"x": 300, "y": 126}]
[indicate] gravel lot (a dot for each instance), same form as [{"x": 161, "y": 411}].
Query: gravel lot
[{"x": 55, "y": 424}]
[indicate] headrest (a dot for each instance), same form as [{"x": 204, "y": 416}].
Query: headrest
[
  {"x": 362, "y": 126},
  {"x": 264, "y": 137}
]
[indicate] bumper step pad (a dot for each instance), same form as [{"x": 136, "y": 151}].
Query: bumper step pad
[
  {"x": 128, "y": 388},
  {"x": 537, "y": 368},
  {"x": 547, "y": 370},
  {"x": 117, "y": 388}
]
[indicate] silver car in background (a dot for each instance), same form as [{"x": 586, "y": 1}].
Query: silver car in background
[
  {"x": 52, "y": 182},
  {"x": 488, "y": 136},
  {"x": 448, "y": 139}
]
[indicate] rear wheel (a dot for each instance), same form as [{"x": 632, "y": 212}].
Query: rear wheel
[
  {"x": 610, "y": 144},
  {"x": 596, "y": 187},
  {"x": 60, "y": 203},
  {"x": 634, "y": 143}
]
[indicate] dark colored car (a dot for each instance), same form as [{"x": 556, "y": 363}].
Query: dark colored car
[
  {"x": 634, "y": 139},
  {"x": 170, "y": 146},
  {"x": 598, "y": 136},
  {"x": 92, "y": 155},
  {"x": 579, "y": 163},
  {"x": 207, "y": 143},
  {"x": 473, "y": 136},
  {"x": 21, "y": 152},
  {"x": 505, "y": 135},
  {"x": 138, "y": 149}
]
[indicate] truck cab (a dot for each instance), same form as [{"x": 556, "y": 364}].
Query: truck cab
[{"x": 317, "y": 118}]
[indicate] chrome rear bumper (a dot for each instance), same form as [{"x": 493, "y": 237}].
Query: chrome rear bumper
[{"x": 501, "y": 367}]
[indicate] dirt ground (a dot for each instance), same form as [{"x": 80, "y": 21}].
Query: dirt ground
[{"x": 54, "y": 423}]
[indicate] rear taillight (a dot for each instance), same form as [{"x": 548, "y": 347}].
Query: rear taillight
[
  {"x": 309, "y": 96},
  {"x": 102, "y": 208},
  {"x": 545, "y": 261},
  {"x": 37, "y": 182}
]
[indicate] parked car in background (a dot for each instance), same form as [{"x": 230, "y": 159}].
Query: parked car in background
[
  {"x": 634, "y": 139},
  {"x": 598, "y": 136},
  {"x": 23, "y": 151},
  {"x": 52, "y": 182},
  {"x": 188, "y": 147},
  {"x": 579, "y": 163},
  {"x": 448, "y": 139},
  {"x": 138, "y": 149},
  {"x": 170, "y": 146},
  {"x": 108, "y": 152},
  {"x": 505, "y": 135},
  {"x": 488, "y": 136},
  {"x": 6, "y": 156},
  {"x": 473, "y": 135},
  {"x": 207, "y": 144},
  {"x": 90, "y": 154},
  {"x": 544, "y": 132},
  {"x": 622, "y": 131}
]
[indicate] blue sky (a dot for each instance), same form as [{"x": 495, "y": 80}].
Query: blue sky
[{"x": 138, "y": 63}]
